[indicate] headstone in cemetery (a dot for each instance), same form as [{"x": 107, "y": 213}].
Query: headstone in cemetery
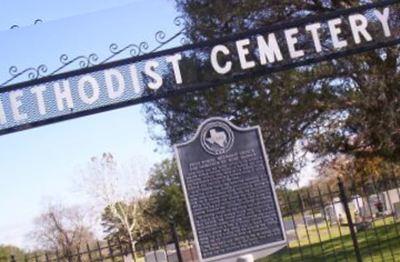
[
  {"x": 290, "y": 229},
  {"x": 172, "y": 256},
  {"x": 229, "y": 191},
  {"x": 156, "y": 256},
  {"x": 289, "y": 224},
  {"x": 189, "y": 253},
  {"x": 128, "y": 258},
  {"x": 171, "y": 253}
]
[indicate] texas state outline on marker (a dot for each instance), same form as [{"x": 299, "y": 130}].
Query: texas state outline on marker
[{"x": 218, "y": 138}]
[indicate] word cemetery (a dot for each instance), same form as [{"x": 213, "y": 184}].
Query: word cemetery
[{"x": 270, "y": 50}]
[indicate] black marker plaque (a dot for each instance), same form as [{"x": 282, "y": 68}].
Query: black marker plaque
[{"x": 229, "y": 191}]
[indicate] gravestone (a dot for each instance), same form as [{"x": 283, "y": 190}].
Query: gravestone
[
  {"x": 229, "y": 192},
  {"x": 156, "y": 256},
  {"x": 128, "y": 258}
]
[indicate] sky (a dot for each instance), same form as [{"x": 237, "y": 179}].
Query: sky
[{"x": 41, "y": 164}]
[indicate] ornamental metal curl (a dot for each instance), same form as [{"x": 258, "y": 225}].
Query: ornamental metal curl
[
  {"x": 142, "y": 48},
  {"x": 160, "y": 37},
  {"x": 131, "y": 50},
  {"x": 31, "y": 72},
  {"x": 37, "y": 21},
  {"x": 179, "y": 21},
  {"x": 82, "y": 61}
]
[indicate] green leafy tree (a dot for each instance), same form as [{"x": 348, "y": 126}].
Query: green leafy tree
[
  {"x": 348, "y": 106},
  {"x": 137, "y": 215},
  {"x": 167, "y": 198},
  {"x": 114, "y": 228}
]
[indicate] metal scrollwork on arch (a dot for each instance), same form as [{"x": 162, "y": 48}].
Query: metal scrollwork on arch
[
  {"x": 81, "y": 61},
  {"x": 84, "y": 61},
  {"x": 160, "y": 38},
  {"x": 31, "y": 73}
]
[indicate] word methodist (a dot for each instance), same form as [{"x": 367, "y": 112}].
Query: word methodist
[{"x": 198, "y": 66}]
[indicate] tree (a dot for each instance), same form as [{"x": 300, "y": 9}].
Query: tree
[
  {"x": 7, "y": 251},
  {"x": 145, "y": 224},
  {"x": 62, "y": 228},
  {"x": 166, "y": 196},
  {"x": 359, "y": 172},
  {"x": 117, "y": 194},
  {"x": 113, "y": 226},
  {"x": 346, "y": 106}
]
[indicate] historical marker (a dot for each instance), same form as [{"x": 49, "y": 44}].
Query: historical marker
[{"x": 229, "y": 191}]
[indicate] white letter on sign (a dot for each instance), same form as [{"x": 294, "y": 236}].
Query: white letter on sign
[
  {"x": 292, "y": 41},
  {"x": 174, "y": 60},
  {"x": 149, "y": 69},
  {"x": 15, "y": 100},
  {"x": 358, "y": 24},
  {"x": 313, "y": 29},
  {"x": 88, "y": 81},
  {"x": 335, "y": 32},
  {"x": 214, "y": 60},
  {"x": 384, "y": 19},
  {"x": 38, "y": 92},
  {"x": 114, "y": 76},
  {"x": 269, "y": 51},
  {"x": 3, "y": 119},
  {"x": 243, "y": 51},
  {"x": 63, "y": 95},
  {"x": 135, "y": 79}
]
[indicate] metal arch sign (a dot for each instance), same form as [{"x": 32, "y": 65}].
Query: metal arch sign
[{"x": 199, "y": 66}]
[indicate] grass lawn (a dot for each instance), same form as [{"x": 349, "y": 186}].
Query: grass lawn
[{"x": 333, "y": 243}]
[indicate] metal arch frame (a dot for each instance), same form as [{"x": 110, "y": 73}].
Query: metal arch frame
[
  {"x": 206, "y": 84},
  {"x": 213, "y": 42}
]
